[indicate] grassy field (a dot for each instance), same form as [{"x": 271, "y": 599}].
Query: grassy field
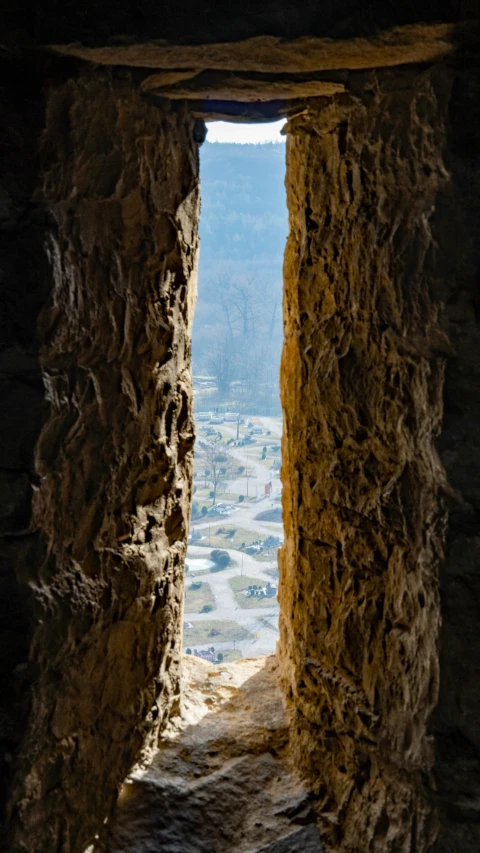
[
  {"x": 225, "y": 539},
  {"x": 273, "y": 573},
  {"x": 232, "y": 497},
  {"x": 239, "y": 583},
  {"x": 231, "y": 654},
  {"x": 197, "y": 599},
  {"x": 213, "y": 631},
  {"x": 201, "y": 498},
  {"x": 266, "y": 556},
  {"x": 267, "y": 623},
  {"x": 270, "y": 515}
]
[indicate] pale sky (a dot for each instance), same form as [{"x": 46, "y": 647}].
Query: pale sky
[{"x": 229, "y": 131}]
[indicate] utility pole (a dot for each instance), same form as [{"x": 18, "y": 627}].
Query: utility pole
[{"x": 241, "y": 571}]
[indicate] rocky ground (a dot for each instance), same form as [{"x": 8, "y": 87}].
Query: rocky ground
[{"x": 221, "y": 781}]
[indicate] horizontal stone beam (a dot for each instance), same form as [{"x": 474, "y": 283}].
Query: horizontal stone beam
[
  {"x": 236, "y": 87},
  {"x": 271, "y": 55}
]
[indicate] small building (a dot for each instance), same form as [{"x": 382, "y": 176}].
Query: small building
[
  {"x": 205, "y": 655},
  {"x": 270, "y": 589}
]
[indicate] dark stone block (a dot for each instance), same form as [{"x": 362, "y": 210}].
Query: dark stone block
[{"x": 304, "y": 840}]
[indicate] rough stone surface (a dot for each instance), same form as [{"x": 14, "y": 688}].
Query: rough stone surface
[
  {"x": 97, "y": 248},
  {"x": 305, "y": 840},
  {"x": 421, "y": 43},
  {"x": 99, "y": 386},
  {"x": 24, "y": 290},
  {"x": 362, "y": 380},
  {"x": 221, "y": 782},
  {"x": 241, "y": 88},
  {"x": 456, "y": 721}
]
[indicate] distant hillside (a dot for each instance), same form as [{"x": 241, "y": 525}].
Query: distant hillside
[
  {"x": 244, "y": 215},
  {"x": 237, "y": 335}
]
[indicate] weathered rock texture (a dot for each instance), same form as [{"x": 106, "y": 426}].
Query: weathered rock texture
[
  {"x": 273, "y": 76},
  {"x": 456, "y": 721},
  {"x": 98, "y": 215},
  {"x": 362, "y": 381},
  {"x": 103, "y": 213},
  {"x": 269, "y": 55},
  {"x": 221, "y": 782},
  {"x": 242, "y": 88}
]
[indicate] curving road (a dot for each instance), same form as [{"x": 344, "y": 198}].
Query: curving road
[{"x": 261, "y": 623}]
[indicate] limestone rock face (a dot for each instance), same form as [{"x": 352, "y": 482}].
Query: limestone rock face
[
  {"x": 96, "y": 563},
  {"x": 455, "y": 723},
  {"x": 221, "y": 781},
  {"x": 98, "y": 244},
  {"x": 362, "y": 380}
]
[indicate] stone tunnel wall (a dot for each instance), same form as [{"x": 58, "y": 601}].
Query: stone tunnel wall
[
  {"x": 362, "y": 381},
  {"x": 456, "y": 720},
  {"x": 99, "y": 248}
]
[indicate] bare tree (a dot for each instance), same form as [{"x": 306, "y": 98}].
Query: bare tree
[
  {"x": 243, "y": 296},
  {"x": 221, "y": 289},
  {"x": 238, "y": 299},
  {"x": 247, "y": 312},
  {"x": 221, "y": 362},
  {"x": 218, "y": 464}
]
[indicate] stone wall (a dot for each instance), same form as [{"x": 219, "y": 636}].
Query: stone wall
[
  {"x": 98, "y": 245},
  {"x": 456, "y": 721},
  {"x": 100, "y": 209},
  {"x": 362, "y": 380}
]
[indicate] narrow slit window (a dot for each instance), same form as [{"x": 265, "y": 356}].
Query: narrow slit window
[{"x": 231, "y": 608}]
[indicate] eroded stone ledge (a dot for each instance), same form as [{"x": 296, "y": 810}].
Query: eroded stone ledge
[
  {"x": 270, "y": 55},
  {"x": 221, "y": 781}
]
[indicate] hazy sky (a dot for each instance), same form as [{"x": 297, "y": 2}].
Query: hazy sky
[{"x": 227, "y": 131}]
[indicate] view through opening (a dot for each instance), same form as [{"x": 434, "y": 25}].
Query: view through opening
[{"x": 231, "y": 608}]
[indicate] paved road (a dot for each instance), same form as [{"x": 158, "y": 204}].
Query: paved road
[
  {"x": 262, "y": 621},
  {"x": 244, "y": 516},
  {"x": 257, "y": 621}
]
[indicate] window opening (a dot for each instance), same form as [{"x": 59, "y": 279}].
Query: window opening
[{"x": 231, "y": 609}]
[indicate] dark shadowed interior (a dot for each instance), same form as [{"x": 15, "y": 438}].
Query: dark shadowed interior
[{"x": 370, "y": 710}]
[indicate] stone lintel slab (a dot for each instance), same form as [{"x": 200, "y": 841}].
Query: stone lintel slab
[
  {"x": 268, "y": 54},
  {"x": 237, "y": 87}
]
